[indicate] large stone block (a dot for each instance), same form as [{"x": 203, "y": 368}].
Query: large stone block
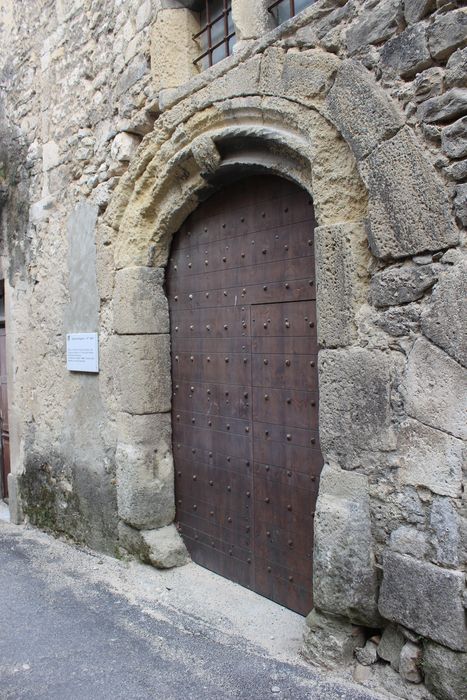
[
  {"x": 163, "y": 548},
  {"x": 82, "y": 312},
  {"x": 430, "y": 458},
  {"x": 409, "y": 540},
  {"x": 407, "y": 54},
  {"x": 330, "y": 641},
  {"x": 456, "y": 69},
  {"x": 172, "y": 47},
  {"x": 344, "y": 573},
  {"x": 306, "y": 76},
  {"x": 435, "y": 389},
  {"x": 361, "y": 110},
  {"x": 409, "y": 211},
  {"x": 251, "y": 19},
  {"x": 390, "y": 646},
  {"x": 445, "y": 672},
  {"x": 454, "y": 139},
  {"x": 355, "y": 409},
  {"x": 415, "y": 10},
  {"x": 166, "y": 548},
  {"x": 377, "y": 23},
  {"x": 142, "y": 373},
  {"x": 140, "y": 305},
  {"x": 444, "y": 526},
  {"x": 460, "y": 204},
  {"x": 401, "y": 285},
  {"x": 342, "y": 259},
  {"x": 443, "y": 108},
  {"x": 447, "y": 33},
  {"x": 145, "y": 480},
  {"x": 444, "y": 320},
  {"x": 425, "y": 598}
]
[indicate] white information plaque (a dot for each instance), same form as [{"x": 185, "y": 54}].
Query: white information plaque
[{"x": 82, "y": 352}]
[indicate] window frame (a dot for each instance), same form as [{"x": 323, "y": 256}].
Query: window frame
[{"x": 207, "y": 30}]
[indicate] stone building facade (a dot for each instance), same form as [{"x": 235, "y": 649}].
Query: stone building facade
[{"x": 110, "y": 136}]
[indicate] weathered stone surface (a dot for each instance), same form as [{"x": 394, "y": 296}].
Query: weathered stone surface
[
  {"x": 206, "y": 155},
  {"x": 457, "y": 171},
  {"x": 445, "y": 528},
  {"x": 367, "y": 655},
  {"x": 251, "y": 20},
  {"x": 341, "y": 274},
  {"x": 307, "y": 75},
  {"x": 132, "y": 541},
  {"x": 50, "y": 155},
  {"x": 361, "y": 673},
  {"x": 430, "y": 458},
  {"x": 374, "y": 25},
  {"x": 424, "y": 598},
  {"x": 14, "y": 500},
  {"x": 410, "y": 663},
  {"x": 456, "y": 69},
  {"x": 415, "y": 10},
  {"x": 397, "y": 686},
  {"x": 407, "y": 54},
  {"x": 445, "y": 672},
  {"x": 172, "y": 47},
  {"x": 400, "y": 285},
  {"x": 166, "y": 548},
  {"x": 142, "y": 373},
  {"x": 136, "y": 69},
  {"x": 435, "y": 389},
  {"x": 361, "y": 109},
  {"x": 399, "y": 320},
  {"x": 391, "y": 644},
  {"x": 460, "y": 204},
  {"x": 330, "y": 641},
  {"x": 454, "y": 139},
  {"x": 145, "y": 484},
  {"x": 124, "y": 146},
  {"x": 409, "y": 540},
  {"x": 140, "y": 304},
  {"x": 408, "y": 211},
  {"x": 359, "y": 380},
  {"x": 444, "y": 320},
  {"x": 344, "y": 573},
  {"x": 447, "y": 33},
  {"x": 429, "y": 83},
  {"x": 83, "y": 308},
  {"x": 451, "y": 105}
]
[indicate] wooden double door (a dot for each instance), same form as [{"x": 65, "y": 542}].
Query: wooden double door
[{"x": 242, "y": 303}]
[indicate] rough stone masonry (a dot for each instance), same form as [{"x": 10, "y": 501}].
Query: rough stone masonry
[{"x": 109, "y": 137}]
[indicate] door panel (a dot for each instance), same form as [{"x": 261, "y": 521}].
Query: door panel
[
  {"x": 245, "y": 387},
  {"x": 5, "y": 433}
]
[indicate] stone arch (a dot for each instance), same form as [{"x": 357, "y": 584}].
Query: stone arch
[{"x": 344, "y": 130}]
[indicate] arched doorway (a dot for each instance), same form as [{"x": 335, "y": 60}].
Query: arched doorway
[{"x": 242, "y": 304}]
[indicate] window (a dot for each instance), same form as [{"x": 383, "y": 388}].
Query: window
[
  {"x": 282, "y": 10},
  {"x": 217, "y": 34}
]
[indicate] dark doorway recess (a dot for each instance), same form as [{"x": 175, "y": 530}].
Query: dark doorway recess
[
  {"x": 4, "y": 429},
  {"x": 245, "y": 386}
]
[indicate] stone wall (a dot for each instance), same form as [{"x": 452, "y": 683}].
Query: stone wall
[{"x": 109, "y": 139}]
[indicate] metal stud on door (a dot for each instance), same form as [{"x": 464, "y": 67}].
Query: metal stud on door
[{"x": 245, "y": 399}]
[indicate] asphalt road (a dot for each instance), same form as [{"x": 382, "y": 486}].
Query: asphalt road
[{"x": 67, "y": 635}]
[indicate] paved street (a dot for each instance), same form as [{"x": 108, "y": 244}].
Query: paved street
[{"x": 79, "y": 625}]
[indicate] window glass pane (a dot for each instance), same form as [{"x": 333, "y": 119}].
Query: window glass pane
[
  {"x": 282, "y": 11},
  {"x": 301, "y": 4}
]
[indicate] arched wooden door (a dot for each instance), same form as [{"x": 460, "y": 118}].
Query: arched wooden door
[{"x": 245, "y": 386}]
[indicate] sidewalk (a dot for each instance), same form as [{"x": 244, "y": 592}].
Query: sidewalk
[{"x": 76, "y": 625}]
